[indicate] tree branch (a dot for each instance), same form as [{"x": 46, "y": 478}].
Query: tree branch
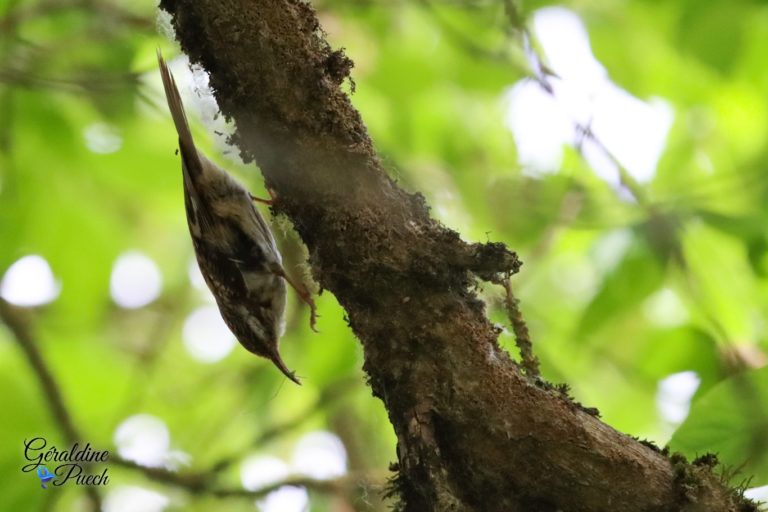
[
  {"x": 196, "y": 483},
  {"x": 202, "y": 483},
  {"x": 327, "y": 396},
  {"x": 13, "y": 318},
  {"x": 473, "y": 432}
]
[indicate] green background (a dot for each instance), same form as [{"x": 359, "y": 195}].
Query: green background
[{"x": 430, "y": 84}]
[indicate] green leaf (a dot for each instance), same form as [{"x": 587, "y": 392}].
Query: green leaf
[
  {"x": 623, "y": 288},
  {"x": 731, "y": 420}
]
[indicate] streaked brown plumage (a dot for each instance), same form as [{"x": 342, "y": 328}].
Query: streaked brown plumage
[{"x": 234, "y": 247}]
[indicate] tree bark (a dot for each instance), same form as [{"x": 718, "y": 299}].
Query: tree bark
[{"x": 474, "y": 433}]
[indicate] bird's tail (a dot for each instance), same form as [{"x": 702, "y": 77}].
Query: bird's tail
[{"x": 186, "y": 142}]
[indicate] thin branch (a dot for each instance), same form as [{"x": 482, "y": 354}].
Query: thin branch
[
  {"x": 201, "y": 483},
  {"x": 7, "y": 46},
  {"x": 106, "y": 11},
  {"x": 169, "y": 310},
  {"x": 84, "y": 83},
  {"x": 467, "y": 43},
  {"x": 328, "y": 395},
  {"x": 193, "y": 482},
  {"x": 13, "y": 318},
  {"x": 542, "y": 76},
  {"x": 337, "y": 486}
]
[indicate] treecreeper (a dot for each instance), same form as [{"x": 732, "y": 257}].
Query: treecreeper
[{"x": 233, "y": 245}]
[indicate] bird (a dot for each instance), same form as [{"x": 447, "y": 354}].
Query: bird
[{"x": 233, "y": 245}]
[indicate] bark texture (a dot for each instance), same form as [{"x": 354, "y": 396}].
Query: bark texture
[{"x": 474, "y": 434}]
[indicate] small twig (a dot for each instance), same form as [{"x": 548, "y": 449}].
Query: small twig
[
  {"x": 636, "y": 190},
  {"x": 625, "y": 177},
  {"x": 327, "y": 396},
  {"x": 197, "y": 483},
  {"x": 336, "y": 486},
  {"x": 75, "y": 84},
  {"x": 192, "y": 482},
  {"x": 7, "y": 44},
  {"x": 530, "y": 362},
  {"x": 169, "y": 311},
  {"x": 466, "y": 42},
  {"x": 12, "y": 317},
  {"x": 14, "y": 17}
]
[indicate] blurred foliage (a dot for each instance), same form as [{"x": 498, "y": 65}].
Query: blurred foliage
[{"x": 619, "y": 293}]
